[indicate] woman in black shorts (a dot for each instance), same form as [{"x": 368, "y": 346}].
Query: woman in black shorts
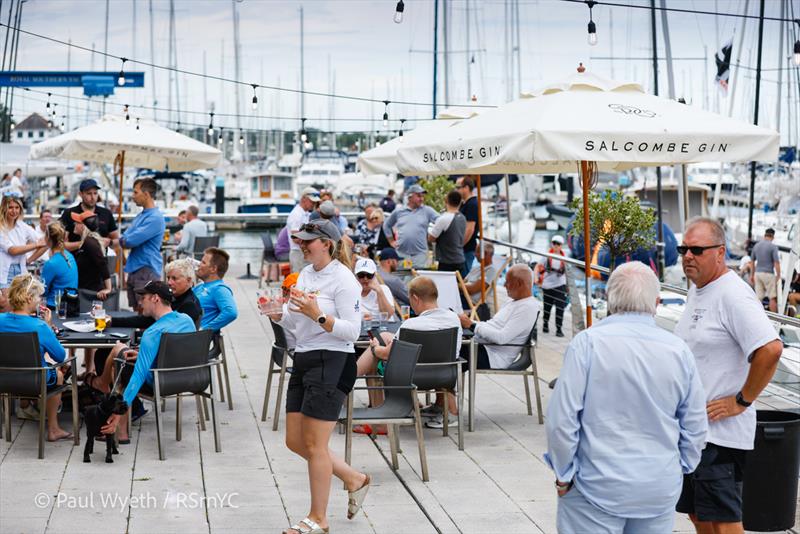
[{"x": 324, "y": 317}]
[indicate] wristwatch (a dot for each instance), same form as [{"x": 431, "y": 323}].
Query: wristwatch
[
  {"x": 740, "y": 400},
  {"x": 563, "y": 485},
  {"x": 322, "y": 318}
]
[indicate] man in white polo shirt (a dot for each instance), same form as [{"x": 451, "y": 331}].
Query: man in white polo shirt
[{"x": 737, "y": 351}]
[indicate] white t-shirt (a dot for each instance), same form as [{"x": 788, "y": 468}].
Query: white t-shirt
[
  {"x": 475, "y": 274},
  {"x": 369, "y": 304},
  {"x": 553, "y": 277},
  {"x": 441, "y": 224},
  {"x": 337, "y": 292},
  {"x": 435, "y": 319},
  {"x": 297, "y": 218},
  {"x": 21, "y": 234},
  {"x": 39, "y": 236},
  {"x": 511, "y": 325},
  {"x": 724, "y": 324}
]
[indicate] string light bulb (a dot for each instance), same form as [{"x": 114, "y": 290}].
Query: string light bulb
[
  {"x": 211, "y": 124},
  {"x": 220, "y": 139},
  {"x": 385, "y": 113},
  {"x": 178, "y": 127},
  {"x": 592, "y": 27},
  {"x": 241, "y": 138},
  {"x": 54, "y": 108},
  {"x": 13, "y": 124},
  {"x": 303, "y": 133},
  {"x": 121, "y": 77},
  {"x": 797, "y": 52},
  {"x": 402, "y": 124},
  {"x": 127, "y": 115},
  {"x": 137, "y": 123},
  {"x": 255, "y": 97},
  {"x": 398, "y": 12},
  {"x": 48, "y": 100}
]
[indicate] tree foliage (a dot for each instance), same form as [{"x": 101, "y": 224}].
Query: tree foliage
[
  {"x": 437, "y": 188},
  {"x": 621, "y": 223}
]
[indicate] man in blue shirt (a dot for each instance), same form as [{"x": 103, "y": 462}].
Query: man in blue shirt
[
  {"x": 216, "y": 298},
  {"x": 627, "y": 418},
  {"x": 156, "y": 299},
  {"x": 143, "y": 237}
]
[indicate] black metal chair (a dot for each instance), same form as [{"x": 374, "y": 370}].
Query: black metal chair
[
  {"x": 86, "y": 296},
  {"x": 183, "y": 369},
  {"x": 218, "y": 352},
  {"x": 439, "y": 369},
  {"x": 269, "y": 260},
  {"x": 22, "y": 375},
  {"x": 525, "y": 366},
  {"x": 400, "y": 406},
  {"x": 278, "y": 364},
  {"x": 202, "y": 243}
]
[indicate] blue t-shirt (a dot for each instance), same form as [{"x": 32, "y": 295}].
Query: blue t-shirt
[
  {"x": 59, "y": 273},
  {"x": 219, "y": 308},
  {"x": 170, "y": 323},
  {"x": 144, "y": 238},
  {"x": 15, "y": 323}
]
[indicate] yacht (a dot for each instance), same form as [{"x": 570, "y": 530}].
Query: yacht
[
  {"x": 321, "y": 168},
  {"x": 270, "y": 191}
]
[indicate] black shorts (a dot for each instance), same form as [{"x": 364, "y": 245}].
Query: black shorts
[
  {"x": 125, "y": 376},
  {"x": 483, "y": 358},
  {"x": 320, "y": 382},
  {"x": 714, "y": 491}
]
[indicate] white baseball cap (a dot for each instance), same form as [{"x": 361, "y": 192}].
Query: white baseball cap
[
  {"x": 311, "y": 193},
  {"x": 365, "y": 265},
  {"x": 557, "y": 239}
]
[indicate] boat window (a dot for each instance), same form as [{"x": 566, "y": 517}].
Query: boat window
[{"x": 282, "y": 183}]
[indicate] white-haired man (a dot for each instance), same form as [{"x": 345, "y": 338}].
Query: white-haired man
[
  {"x": 627, "y": 417},
  {"x": 737, "y": 351}
]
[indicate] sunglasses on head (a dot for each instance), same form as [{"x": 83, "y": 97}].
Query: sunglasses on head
[
  {"x": 365, "y": 275},
  {"x": 696, "y": 251}
]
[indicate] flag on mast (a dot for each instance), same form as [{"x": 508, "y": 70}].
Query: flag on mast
[{"x": 723, "y": 61}]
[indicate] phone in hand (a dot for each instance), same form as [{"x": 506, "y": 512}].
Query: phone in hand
[{"x": 375, "y": 333}]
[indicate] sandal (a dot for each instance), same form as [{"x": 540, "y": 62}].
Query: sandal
[
  {"x": 356, "y": 498},
  {"x": 310, "y": 528}
]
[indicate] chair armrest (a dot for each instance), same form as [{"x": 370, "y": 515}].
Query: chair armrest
[
  {"x": 187, "y": 368},
  {"x": 385, "y": 387},
  {"x": 370, "y": 376},
  {"x": 458, "y": 361},
  {"x": 44, "y": 367},
  {"x": 506, "y": 344}
]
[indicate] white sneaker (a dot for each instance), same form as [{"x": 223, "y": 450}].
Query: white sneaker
[
  {"x": 438, "y": 422},
  {"x": 29, "y": 413}
]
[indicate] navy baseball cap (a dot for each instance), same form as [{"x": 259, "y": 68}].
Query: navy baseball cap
[
  {"x": 319, "y": 229},
  {"x": 88, "y": 184},
  {"x": 389, "y": 254}
]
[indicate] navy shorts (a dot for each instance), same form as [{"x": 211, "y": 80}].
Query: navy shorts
[
  {"x": 714, "y": 491},
  {"x": 320, "y": 383}
]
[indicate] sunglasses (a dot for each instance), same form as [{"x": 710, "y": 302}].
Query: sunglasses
[
  {"x": 365, "y": 275},
  {"x": 696, "y": 251}
]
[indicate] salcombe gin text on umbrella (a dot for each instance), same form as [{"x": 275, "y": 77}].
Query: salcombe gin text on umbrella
[
  {"x": 461, "y": 154},
  {"x": 632, "y": 146}
]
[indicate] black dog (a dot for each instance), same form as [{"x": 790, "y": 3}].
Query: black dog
[{"x": 96, "y": 417}]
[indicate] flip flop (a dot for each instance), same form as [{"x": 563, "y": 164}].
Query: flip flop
[
  {"x": 356, "y": 498},
  {"x": 307, "y": 526},
  {"x": 65, "y": 437}
]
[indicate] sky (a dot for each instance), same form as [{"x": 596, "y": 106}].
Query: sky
[{"x": 354, "y": 48}]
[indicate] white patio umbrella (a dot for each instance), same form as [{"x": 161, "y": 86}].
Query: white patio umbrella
[
  {"x": 139, "y": 143},
  {"x": 383, "y": 159},
  {"x": 587, "y": 123}
]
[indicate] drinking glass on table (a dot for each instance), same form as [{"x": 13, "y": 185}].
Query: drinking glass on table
[
  {"x": 405, "y": 312},
  {"x": 270, "y": 301},
  {"x": 97, "y": 308},
  {"x": 100, "y": 323}
]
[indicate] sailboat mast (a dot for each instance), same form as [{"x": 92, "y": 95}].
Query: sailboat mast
[{"x": 153, "y": 61}]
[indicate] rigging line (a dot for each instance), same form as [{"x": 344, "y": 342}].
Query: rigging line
[{"x": 229, "y": 80}]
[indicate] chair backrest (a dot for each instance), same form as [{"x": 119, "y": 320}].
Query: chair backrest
[
  {"x": 184, "y": 350},
  {"x": 86, "y": 296},
  {"x": 438, "y": 346},
  {"x": 280, "y": 345},
  {"x": 202, "y": 243},
  {"x": 20, "y": 350},
  {"x": 447, "y": 285},
  {"x": 400, "y": 367},
  {"x": 112, "y": 264},
  {"x": 525, "y": 360},
  {"x": 269, "y": 248}
]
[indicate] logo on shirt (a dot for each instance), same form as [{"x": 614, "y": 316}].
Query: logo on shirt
[
  {"x": 356, "y": 308},
  {"x": 697, "y": 316}
]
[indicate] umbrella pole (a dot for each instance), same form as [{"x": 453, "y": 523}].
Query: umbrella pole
[
  {"x": 480, "y": 236},
  {"x": 586, "y": 175},
  {"x": 508, "y": 215},
  {"x": 120, "y": 253}
]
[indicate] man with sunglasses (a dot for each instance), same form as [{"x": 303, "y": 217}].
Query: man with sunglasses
[
  {"x": 737, "y": 351},
  {"x": 375, "y": 297}
]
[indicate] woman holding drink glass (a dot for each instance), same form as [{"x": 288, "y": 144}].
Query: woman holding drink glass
[
  {"x": 60, "y": 271},
  {"x": 324, "y": 317}
]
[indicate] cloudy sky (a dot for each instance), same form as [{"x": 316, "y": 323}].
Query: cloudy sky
[{"x": 354, "y": 48}]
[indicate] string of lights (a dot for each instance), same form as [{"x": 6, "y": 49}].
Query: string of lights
[{"x": 255, "y": 86}]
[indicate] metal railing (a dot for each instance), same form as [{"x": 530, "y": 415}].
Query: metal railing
[{"x": 216, "y": 217}]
